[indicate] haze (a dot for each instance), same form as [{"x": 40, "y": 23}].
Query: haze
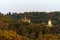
[{"x": 29, "y": 5}]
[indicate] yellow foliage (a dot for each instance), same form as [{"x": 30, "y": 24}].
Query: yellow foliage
[{"x": 9, "y": 35}]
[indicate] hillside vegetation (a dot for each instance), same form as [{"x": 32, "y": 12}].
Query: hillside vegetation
[{"x": 11, "y": 27}]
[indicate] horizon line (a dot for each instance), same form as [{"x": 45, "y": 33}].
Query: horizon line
[{"x": 29, "y": 11}]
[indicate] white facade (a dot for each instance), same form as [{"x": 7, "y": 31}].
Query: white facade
[{"x": 49, "y": 23}]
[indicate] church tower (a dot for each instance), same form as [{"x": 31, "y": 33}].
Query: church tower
[
  {"x": 26, "y": 20},
  {"x": 49, "y": 23}
]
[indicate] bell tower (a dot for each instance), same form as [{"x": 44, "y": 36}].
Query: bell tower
[
  {"x": 25, "y": 19},
  {"x": 49, "y": 23}
]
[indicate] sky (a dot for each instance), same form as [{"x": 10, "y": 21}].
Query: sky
[{"x": 29, "y": 5}]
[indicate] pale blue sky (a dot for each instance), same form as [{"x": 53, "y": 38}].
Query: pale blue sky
[{"x": 29, "y": 5}]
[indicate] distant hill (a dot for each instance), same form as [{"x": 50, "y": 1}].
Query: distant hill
[{"x": 37, "y": 17}]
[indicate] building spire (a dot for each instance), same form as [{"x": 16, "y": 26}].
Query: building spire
[
  {"x": 25, "y": 19},
  {"x": 49, "y": 23}
]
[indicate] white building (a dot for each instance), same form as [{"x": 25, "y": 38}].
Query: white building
[
  {"x": 25, "y": 19},
  {"x": 49, "y": 23}
]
